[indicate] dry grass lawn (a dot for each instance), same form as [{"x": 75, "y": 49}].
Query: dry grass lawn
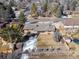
[
  {"x": 76, "y": 35},
  {"x": 46, "y": 40}
]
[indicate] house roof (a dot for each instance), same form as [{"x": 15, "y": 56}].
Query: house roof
[
  {"x": 40, "y": 27},
  {"x": 77, "y": 8},
  {"x": 44, "y": 19},
  {"x": 44, "y": 27},
  {"x": 75, "y": 12},
  {"x": 71, "y": 22}
]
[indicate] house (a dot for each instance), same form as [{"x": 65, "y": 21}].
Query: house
[
  {"x": 44, "y": 19},
  {"x": 42, "y": 25},
  {"x": 71, "y": 25},
  {"x": 75, "y": 14},
  {"x": 39, "y": 27}
]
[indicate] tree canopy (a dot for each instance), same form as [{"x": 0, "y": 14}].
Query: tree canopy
[
  {"x": 73, "y": 4},
  {"x": 11, "y": 34},
  {"x": 6, "y": 12},
  {"x": 22, "y": 17},
  {"x": 45, "y": 7},
  {"x": 56, "y": 10},
  {"x": 10, "y": 12},
  {"x": 34, "y": 10}
]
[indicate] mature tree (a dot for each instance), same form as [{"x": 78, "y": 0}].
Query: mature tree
[
  {"x": 45, "y": 7},
  {"x": 11, "y": 34},
  {"x": 34, "y": 10},
  {"x": 57, "y": 35},
  {"x": 22, "y": 17},
  {"x": 59, "y": 12},
  {"x": 10, "y": 12},
  {"x": 68, "y": 5},
  {"x": 3, "y": 11},
  {"x": 6, "y": 12},
  {"x": 56, "y": 10},
  {"x": 12, "y": 3},
  {"x": 73, "y": 4}
]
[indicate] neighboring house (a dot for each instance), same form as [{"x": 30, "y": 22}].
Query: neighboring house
[
  {"x": 65, "y": 25},
  {"x": 44, "y": 19},
  {"x": 75, "y": 14},
  {"x": 71, "y": 25},
  {"x": 77, "y": 8},
  {"x": 42, "y": 25},
  {"x": 39, "y": 27}
]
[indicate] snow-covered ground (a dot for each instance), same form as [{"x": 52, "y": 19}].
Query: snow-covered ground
[
  {"x": 69, "y": 16},
  {"x": 29, "y": 45}
]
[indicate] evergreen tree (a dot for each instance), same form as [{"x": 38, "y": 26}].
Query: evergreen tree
[
  {"x": 3, "y": 11},
  {"x": 12, "y": 3},
  {"x": 34, "y": 10},
  {"x": 57, "y": 35},
  {"x": 22, "y": 17},
  {"x": 57, "y": 10},
  {"x": 10, "y": 12},
  {"x": 45, "y": 7},
  {"x": 73, "y": 4},
  {"x": 11, "y": 34}
]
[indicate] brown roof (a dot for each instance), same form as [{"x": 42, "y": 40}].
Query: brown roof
[{"x": 71, "y": 22}]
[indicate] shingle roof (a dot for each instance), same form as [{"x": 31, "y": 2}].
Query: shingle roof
[
  {"x": 29, "y": 26},
  {"x": 44, "y": 19},
  {"x": 44, "y": 27},
  {"x": 40, "y": 26}
]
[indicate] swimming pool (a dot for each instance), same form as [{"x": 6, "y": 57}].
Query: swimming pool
[{"x": 75, "y": 40}]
